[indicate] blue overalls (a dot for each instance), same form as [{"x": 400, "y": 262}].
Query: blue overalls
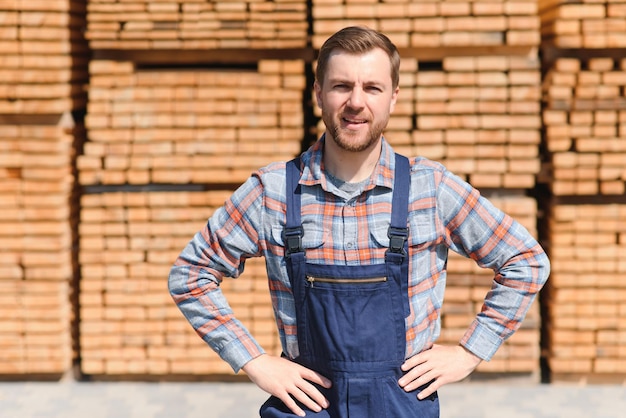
[{"x": 351, "y": 319}]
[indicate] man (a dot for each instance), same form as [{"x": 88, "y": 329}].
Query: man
[{"x": 355, "y": 239}]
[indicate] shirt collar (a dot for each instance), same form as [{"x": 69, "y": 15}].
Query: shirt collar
[{"x": 313, "y": 170}]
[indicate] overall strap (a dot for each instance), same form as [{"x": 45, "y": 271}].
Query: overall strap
[
  {"x": 396, "y": 256},
  {"x": 292, "y": 236},
  {"x": 293, "y": 232},
  {"x": 398, "y": 232}
]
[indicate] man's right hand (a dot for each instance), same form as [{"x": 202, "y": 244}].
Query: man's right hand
[{"x": 288, "y": 381}]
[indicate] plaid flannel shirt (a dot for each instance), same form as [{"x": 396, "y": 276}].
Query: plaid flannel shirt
[{"x": 444, "y": 213}]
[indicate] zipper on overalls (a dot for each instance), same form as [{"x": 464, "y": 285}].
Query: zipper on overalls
[{"x": 312, "y": 279}]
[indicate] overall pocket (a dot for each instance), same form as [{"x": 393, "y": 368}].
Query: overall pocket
[{"x": 350, "y": 319}]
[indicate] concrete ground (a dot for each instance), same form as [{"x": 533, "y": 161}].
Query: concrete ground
[{"x": 71, "y": 399}]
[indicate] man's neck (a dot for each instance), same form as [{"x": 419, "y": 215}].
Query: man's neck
[{"x": 351, "y": 167}]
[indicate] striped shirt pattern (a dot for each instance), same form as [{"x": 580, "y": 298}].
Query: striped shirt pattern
[{"x": 445, "y": 213}]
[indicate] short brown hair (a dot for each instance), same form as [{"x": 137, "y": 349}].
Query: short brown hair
[{"x": 358, "y": 40}]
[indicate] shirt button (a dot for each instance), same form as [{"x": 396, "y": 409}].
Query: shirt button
[{"x": 349, "y": 245}]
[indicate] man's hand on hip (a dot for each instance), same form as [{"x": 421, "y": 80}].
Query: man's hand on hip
[
  {"x": 437, "y": 367},
  {"x": 287, "y": 381}
]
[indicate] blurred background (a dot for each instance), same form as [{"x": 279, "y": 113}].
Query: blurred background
[{"x": 125, "y": 123}]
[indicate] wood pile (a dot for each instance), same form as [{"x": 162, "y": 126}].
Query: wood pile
[
  {"x": 478, "y": 115},
  {"x": 188, "y": 125},
  {"x": 134, "y": 126},
  {"x": 36, "y": 269},
  {"x": 584, "y": 168},
  {"x": 585, "y": 119},
  {"x": 42, "y": 57},
  {"x": 187, "y": 97},
  {"x": 129, "y": 324},
  {"x": 197, "y": 24},
  {"x": 433, "y": 24},
  {"x": 584, "y": 23},
  {"x": 40, "y": 89},
  {"x": 163, "y": 129},
  {"x": 587, "y": 316}
]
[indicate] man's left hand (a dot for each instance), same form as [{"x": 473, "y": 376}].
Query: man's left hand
[{"x": 437, "y": 367}]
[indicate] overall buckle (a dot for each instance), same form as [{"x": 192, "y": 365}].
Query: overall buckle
[
  {"x": 293, "y": 240},
  {"x": 397, "y": 239}
]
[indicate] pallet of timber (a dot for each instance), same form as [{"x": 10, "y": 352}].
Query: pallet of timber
[
  {"x": 466, "y": 287},
  {"x": 43, "y": 61},
  {"x": 587, "y": 316},
  {"x": 583, "y": 24},
  {"x": 36, "y": 245},
  {"x": 480, "y": 116},
  {"x": 213, "y": 125},
  {"x": 129, "y": 323},
  {"x": 128, "y": 241},
  {"x": 585, "y": 119},
  {"x": 409, "y": 24},
  {"x": 196, "y": 24}
]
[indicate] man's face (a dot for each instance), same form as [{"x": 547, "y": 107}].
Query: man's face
[{"x": 356, "y": 98}]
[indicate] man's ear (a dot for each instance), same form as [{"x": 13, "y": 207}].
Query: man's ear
[
  {"x": 318, "y": 93},
  {"x": 394, "y": 99}
]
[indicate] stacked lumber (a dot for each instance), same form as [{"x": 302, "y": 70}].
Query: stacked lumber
[
  {"x": 587, "y": 315},
  {"x": 585, "y": 119},
  {"x": 476, "y": 110},
  {"x": 42, "y": 69},
  {"x": 585, "y": 124},
  {"x": 178, "y": 126},
  {"x": 172, "y": 126},
  {"x": 584, "y": 23},
  {"x": 36, "y": 268},
  {"x": 175, "y": 126},
  {"x": 42, "y": 57},
  {"x": 196, "y": 24},
  {"x": 129, "y": 324},
  {"x": 411, "y": 24},
  {"x": 162, "y": 133},
  {"x": 466, "y": 287},
  {"x": 478, "y": 115}
]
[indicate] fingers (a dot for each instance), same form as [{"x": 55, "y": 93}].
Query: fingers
[
  {"x": 289, "y": 381},
  {"x": 305, "y": 392},
  {"x": 417, "y": 377},
  {"x": 414, "y": 367},
  {"x": 422, "y": 372},
  {"x": 429, "y": 390},
  {"x": 315, "y": 377},
  {"x": 311, "y": 397},
  {"x": 434, "y": 368},
  {"x": 307, "y": 395},
  {"x": 292, "y": 405},
  {"x": 412, "y": 362},
  {"x": 420, "y": 378}
]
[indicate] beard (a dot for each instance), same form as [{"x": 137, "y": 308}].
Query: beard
[{"x": 349, "y": 140}]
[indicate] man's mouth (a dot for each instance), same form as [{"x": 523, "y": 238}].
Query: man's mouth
[{"x": 354, "y": 121}]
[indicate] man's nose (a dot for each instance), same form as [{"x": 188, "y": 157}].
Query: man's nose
[{"x": 357, "y": 98}]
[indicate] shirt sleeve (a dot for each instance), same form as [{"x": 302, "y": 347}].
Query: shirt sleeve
[
  {"x": 219, "y": 250},
  {"x": 475, "y": 228}
]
